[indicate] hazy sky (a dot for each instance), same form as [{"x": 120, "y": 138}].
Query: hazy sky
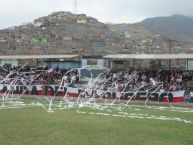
[{"x": 16, "y": 12}]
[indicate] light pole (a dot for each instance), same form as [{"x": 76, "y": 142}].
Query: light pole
[{"x": 170, "y": 51}]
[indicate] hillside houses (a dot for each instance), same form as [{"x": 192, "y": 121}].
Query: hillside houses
[{"x": 67, "y": 33}]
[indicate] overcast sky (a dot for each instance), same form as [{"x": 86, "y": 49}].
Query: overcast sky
[{"x": 16, "y": 12}]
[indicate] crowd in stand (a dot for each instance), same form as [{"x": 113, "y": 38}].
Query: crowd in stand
[
  {"x": 171, "y": 79},
  {"x": 37, "y": 76}
]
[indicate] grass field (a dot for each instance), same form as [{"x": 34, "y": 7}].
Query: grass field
[{"x": 88, "y": 126}]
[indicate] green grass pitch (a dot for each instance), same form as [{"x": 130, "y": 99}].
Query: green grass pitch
[{"x": 89, "y": 126}]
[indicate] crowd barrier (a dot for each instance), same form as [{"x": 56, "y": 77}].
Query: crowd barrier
[{"x": 52, "y": 90}]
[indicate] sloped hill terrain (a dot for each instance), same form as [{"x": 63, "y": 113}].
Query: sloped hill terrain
[
  {"x": 66, "y": 33},
  {"x": 178, "y": 27},
  {"x": 59, "y": 33}
]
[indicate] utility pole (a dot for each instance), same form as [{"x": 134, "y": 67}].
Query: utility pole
[
  {"x": 170, "y": 51},
  {"x": 75, "y": 6}
]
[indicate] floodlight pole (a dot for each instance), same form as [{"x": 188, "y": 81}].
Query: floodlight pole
[
  {"x": 170, "y": 51},
  {"x": 75, "y": 6}
]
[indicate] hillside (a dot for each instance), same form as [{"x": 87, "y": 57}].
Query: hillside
[
  {"x": 178, "y": 27},
  {"x": 66, "y": 33},
  {"x": 131, "y": 31},
  {"x": 59, "y": 33}
]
